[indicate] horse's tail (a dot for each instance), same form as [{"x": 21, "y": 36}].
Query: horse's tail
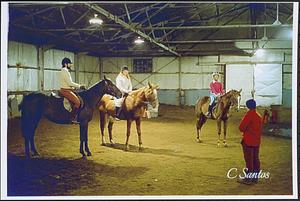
[{"x": 199, "y": 104}]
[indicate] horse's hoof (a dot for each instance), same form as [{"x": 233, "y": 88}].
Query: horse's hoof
[
  {"x": 126, "y": 148},
  {"x": 218, "y": 145},
  {"x": 103, "y": 144},
  {"x": 225, "y": 145},
  {"x": 112, "y": 142},
  {"x": 141, "y": 148},
  {"x": 36, "y": 154},
  {"x": 89, "y": 154},
  {"x": 198, "y": 140}
]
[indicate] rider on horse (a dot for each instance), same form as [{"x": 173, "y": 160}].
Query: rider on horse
[
  {"x": 216, "y": 90},
  {"x": 123, "y": 82},
  {"x": 67, "y": 85}
]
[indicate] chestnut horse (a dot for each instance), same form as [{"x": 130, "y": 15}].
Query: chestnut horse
[
  {"x": 219, "y": 112},
  {"x": 133, "y": 108}
]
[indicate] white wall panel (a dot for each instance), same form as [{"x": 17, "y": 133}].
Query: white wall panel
[
  {"x": 208, "y": 59},
  {"x": 276, "y": 44},
  {"x": 288, "y": 57},
  {"x": 165, "y": 64},
  {"x": 268, "y": 56},
  {"x": 88, "y": 78},
  {"x": 190, "y": 64},
  {"x": 137, "y": 78},
  {"x": 20, "y": 79},
  {"x": 88, "y": 63},
  {"x": 233, "y": 58},
  {"x": 53, "y": 58},
  {"x": 268, "y": 84},
  {"x": 240, "y": 77},
  {"x": 114, "y": 64},
  {"x": 192, "y": 81},
  {"x": 23, "y": 53},
  {"x": 287, "y": 81},
  {"x": 287, "y": 68},
  {"x": 165, "y": 81}
]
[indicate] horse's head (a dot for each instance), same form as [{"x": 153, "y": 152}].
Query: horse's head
[
  {"x": 151, "y": 94},
  {"x": 235, "y": 98},
  {"x": 111, "y": 88}
]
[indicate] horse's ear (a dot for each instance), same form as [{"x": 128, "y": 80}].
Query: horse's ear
[
  {"x": 150, "y": 86},
  {"x": 156, "y": 87},
  {"x": 105, "y": 77},
  {"x": 240, "y": 90}
]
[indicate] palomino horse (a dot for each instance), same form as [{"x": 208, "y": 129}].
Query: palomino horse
[
  {"x": 37, "y": 104},
  {"x": 220, "y": 111},
  {"x": 133, "y": 108}
]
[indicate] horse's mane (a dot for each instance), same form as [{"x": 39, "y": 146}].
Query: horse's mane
[
  {"x": 227, "y": 94},
  {"x": 137, "y": 91}
]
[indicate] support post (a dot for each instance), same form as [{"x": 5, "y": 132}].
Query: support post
[
  {"x": 76, "y": 65},
  {"x": 100, "y": 68},
  {"x": 181, "y": 92},
  {"x": 40, "y": 60}
]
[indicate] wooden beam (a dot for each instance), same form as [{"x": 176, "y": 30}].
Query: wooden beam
[{"x": 130, "y": 27}]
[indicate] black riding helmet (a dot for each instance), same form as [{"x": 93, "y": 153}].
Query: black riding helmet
[
  {"x": 66, "y": 61},
  {"x": 124, "y": 68}
]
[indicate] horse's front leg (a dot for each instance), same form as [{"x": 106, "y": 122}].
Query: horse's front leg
[
  {"x": 102, "y": 126},
  {"x": 129, "y": 121},
  {"x": 139, "y": 132},
  {"x": 110, "y": 127},
  {"x": 219, "y": 131},
  {"x": 225, "y": 133},
  {"x": 84, "y": 138}
]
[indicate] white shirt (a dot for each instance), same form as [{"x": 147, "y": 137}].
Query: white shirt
[
  {"x": 65, "y": 79},
  {"x": 123, "y": 84}
]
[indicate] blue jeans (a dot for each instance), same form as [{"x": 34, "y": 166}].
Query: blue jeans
[{"x": 212, "y": 97}]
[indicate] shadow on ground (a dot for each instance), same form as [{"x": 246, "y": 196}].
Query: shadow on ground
[
  {"x": 165, "y": 152},
  {"x": 52, "y": 176}
]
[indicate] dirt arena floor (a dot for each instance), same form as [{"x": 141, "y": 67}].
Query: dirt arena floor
[{"x": 172, "y": 162}]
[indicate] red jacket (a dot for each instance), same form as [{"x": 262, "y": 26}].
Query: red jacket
[
  {"x": 251, "y": 126},
  {"x": 216, "y": 87}
]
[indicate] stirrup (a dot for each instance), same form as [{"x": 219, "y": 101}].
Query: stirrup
[{"x": 75, "y": 122}]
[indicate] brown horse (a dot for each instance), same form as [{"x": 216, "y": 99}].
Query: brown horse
[
  {"x": 133, "y": 108},
  {"x": 220, "y": 112}
]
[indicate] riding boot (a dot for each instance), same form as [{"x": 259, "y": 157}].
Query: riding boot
[{"x": 74, "y": 115}]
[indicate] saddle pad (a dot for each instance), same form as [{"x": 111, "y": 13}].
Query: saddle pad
[{"x": 67, "y": 105}]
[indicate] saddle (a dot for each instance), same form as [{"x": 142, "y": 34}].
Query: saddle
[{"x": 68, "y": 105}]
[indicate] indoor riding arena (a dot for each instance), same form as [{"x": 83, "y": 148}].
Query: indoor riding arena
[{"x": 173, "y": 49}]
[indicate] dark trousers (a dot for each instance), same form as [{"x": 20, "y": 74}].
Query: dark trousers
[{"x": 251, "y": 156}]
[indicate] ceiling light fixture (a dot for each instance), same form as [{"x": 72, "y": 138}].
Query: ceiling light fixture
[
  {"x": 139, "y": 40},
  {"x": 96, "y": 20}
]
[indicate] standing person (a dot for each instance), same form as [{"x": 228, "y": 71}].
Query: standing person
[
  {"x": 123, "y": 82},
  {"x": 216, "y": 90},
  {"x": 67, "y": 85},
  {"x": 251, "y": 126}
]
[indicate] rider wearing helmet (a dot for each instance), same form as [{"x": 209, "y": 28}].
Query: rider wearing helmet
[
  {"x": 123, "y": 82},
  {"x": 216, "y": 90},
  {"x": 67, "y": 86}
]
